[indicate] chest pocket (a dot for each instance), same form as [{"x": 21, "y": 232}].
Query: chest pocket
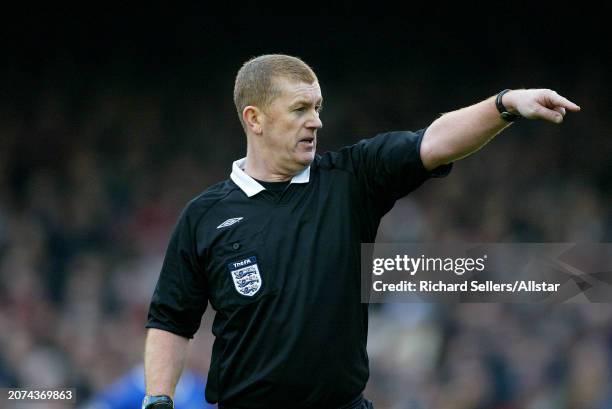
[{"x": 240, "y": 273}]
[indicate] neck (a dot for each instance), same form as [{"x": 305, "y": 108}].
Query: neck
[{"x": 261, "y": 166}]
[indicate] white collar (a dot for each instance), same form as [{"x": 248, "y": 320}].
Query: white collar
[{"x": 251, "y": 187}]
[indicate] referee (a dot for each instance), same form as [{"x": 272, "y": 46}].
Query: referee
[{"x": 275, "y": 248}]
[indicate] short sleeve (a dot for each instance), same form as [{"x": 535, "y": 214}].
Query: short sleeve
[
  {"x": 181, "y": 294},
  {"x": 391, "y": 167}
]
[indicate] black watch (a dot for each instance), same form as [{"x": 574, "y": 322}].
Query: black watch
[
  {"x": 157, "y": 402},
  {"x": 504, "y": 113}
]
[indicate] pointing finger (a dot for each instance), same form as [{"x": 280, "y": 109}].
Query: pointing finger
[{"x": 565, "y": 103}]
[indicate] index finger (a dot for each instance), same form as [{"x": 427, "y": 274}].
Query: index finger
[{"x": 565, "y": 103}]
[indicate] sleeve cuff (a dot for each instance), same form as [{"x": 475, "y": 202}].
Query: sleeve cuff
[
  {"x": 441, "y": 171},
  {"x": 167, "y": 328}
]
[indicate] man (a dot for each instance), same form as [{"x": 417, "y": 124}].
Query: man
[{"x": 275, "y": 248}]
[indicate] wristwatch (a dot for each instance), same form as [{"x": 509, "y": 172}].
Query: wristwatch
[
  {"x": 504, "y": 113},
  {"x": 157, "y": 402}
]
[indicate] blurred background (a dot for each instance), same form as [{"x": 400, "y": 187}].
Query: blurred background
[{"x": 110, "y": 124}]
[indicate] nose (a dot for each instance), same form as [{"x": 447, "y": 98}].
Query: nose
[{"x": 315, "y": 122}]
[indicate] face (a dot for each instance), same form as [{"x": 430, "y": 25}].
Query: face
[{"x": 290, "y": 124}]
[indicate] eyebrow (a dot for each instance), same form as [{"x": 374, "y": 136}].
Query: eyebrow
[{"x": 302, "y": 101}]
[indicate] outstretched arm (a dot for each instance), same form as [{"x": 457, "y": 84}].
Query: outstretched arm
[
  {"x": 460, "y": 133},
  {"x": 165, "y": 355}
]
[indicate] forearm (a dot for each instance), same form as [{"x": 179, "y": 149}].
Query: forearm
[
  {"x": 462, "y": 132},
  {"x": 459, "y": 133},
  {"x": 165, "y": 355}
]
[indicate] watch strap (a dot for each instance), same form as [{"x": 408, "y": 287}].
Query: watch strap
[{"x": 503, "y": 111}]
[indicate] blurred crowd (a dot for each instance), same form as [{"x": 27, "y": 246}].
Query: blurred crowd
[{"x": 90, "y": 188}]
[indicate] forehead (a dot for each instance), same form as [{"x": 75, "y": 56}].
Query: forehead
[{"x": 291, "y": 91}]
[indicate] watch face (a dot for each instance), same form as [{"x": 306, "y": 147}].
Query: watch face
[
  {"x": 161, "y": 401},
  {"x": 146, "y": 401}
]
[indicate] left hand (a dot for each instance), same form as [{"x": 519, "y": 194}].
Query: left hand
[{"x": 538, "y": 104}]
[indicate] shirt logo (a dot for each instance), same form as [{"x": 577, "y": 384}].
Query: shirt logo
[
  {"x": 229, "y": 222},
  {"x": 246, "y": 276}
]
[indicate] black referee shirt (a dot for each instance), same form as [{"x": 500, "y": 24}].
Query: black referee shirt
[{"x": 281, "y": 268}]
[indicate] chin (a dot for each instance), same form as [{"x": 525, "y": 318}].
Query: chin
[{"x": 305, "y": 159}]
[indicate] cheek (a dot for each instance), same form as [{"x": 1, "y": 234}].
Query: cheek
[
  {"x": 289, "y": 123},
  {"x": 283, "y": 132},
  {"x": 288, "y": 132}
]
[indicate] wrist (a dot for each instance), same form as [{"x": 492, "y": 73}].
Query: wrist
[
  {"x": 508, "y": 101},
  {"x": 505, "y": 105},
  {"x": 157, "y": 402}
]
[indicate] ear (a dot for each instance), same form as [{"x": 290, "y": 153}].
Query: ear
[{"x": 253, "y": 118}]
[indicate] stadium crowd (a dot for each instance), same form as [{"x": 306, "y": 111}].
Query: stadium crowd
[{"x": 92, "y": 181}]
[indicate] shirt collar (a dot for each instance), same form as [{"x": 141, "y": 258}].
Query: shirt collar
[{"x": 251, "y": 187}]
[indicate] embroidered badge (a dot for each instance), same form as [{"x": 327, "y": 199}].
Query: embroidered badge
[{"x": 246, "y": 276}]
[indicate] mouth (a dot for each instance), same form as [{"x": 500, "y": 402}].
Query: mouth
[{"x": 308, "y": 140}]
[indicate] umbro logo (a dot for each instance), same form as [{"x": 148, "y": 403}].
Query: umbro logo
[{"x": 229, "y": 222}]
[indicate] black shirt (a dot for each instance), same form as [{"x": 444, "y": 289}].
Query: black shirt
[
  {"x": 282, "y": 271},
  {"x": 276, "y": 187}
]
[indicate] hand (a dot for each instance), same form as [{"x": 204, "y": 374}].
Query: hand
[{"x": 538, "y": 104}]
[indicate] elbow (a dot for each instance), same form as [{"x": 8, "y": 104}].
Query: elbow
[{"x": 432, "y": 154}]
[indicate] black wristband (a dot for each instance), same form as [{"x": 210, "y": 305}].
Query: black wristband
[
  {"x": 157, "y": 402},
  {"x": 504, "y": 113}
]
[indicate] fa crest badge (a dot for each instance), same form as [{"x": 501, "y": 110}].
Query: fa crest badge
[{"x": 246, "y": 276}]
